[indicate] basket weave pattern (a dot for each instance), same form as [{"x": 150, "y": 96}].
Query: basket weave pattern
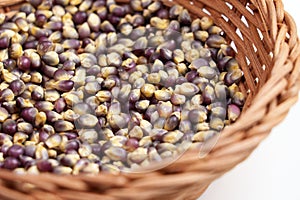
[{"x": 268, "y": 51}]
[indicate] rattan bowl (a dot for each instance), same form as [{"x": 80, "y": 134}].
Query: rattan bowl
[{"x": 268, "y": 50}]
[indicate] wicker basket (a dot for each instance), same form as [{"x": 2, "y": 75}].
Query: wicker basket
[{"x": 268, "y": 51}]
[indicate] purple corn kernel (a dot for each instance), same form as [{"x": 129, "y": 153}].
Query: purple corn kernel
[
  {"x": 24, "y": 63},
  {"x": 9, "y": 127},
  {"x": 80, "y": 17},
  {"x": 11, "y": 163},
  {"x": 15, "y": 151},
  {"x": 29, "y": 114},
  {"x": 4, "y": 43},
  {"x": 60, "y": 105},
  {"x": 17, "y": 87},
  {"x": 44, "y": 166},
  {"x": 65, "y": 85}
]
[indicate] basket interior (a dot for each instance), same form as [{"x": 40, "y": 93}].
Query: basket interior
[{"x": 247, "y": 32}]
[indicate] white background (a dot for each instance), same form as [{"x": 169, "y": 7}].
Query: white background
[{"x": 273, "y": 171}]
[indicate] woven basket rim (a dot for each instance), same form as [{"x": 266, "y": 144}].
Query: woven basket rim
[{"x": 268, "y": 106}]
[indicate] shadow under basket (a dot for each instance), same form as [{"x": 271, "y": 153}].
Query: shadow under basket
[{"x": 268, "y": 50}]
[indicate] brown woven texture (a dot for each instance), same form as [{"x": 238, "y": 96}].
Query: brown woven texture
[{"x": 268, "y": 52}]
